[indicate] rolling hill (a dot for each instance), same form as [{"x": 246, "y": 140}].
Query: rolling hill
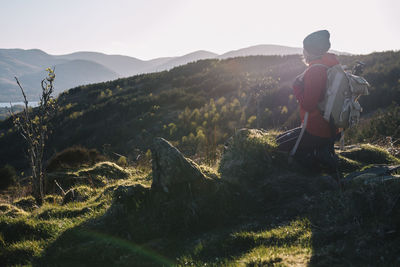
[{"x": 29, "y": 66}]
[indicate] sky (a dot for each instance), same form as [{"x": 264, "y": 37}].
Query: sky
[{"x": 148, "y": 29}]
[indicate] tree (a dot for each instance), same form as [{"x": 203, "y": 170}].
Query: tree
[{"x": 34, "y": 128}]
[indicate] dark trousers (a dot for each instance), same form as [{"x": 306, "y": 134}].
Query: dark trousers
[
  {"x": 311, "y": 150},
  {"x": 309, "y": 142}
]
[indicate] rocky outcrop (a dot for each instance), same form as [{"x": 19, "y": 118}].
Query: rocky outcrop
[{"x": 171, "y": 168}]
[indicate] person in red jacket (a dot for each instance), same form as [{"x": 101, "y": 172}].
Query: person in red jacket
[{"x": 315, "y": 142}]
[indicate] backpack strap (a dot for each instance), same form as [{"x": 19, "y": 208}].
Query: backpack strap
[{"x": 303, "y": 128}]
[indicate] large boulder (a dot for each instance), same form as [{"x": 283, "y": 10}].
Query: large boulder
[{"x": 171, "y": 168}]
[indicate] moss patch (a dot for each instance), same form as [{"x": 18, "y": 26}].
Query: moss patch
[
  {"x": 370, "y": 154},
  {"x": 26, "y": 203},
  {"x": 251, "y": 154}
]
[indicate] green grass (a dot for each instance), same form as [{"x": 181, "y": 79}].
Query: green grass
[
  {"x": 290, "y": 219},
  {"x": 284, "y": 244},
  {"x": 26, "y": 233}
]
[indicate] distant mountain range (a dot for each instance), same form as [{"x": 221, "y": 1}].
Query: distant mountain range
[{"x": 92, "y": 67}]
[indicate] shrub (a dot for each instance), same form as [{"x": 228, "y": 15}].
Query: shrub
[
  {"x": 7, "y": 176},
  {"x": 74, "y": 157}
]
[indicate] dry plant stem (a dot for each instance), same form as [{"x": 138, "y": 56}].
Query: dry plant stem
[
  {"x": 34, "y": 131},
  {"x": 59, "y": 186}
]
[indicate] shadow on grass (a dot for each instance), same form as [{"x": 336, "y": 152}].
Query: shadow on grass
[{"x": 359, "y": 226}]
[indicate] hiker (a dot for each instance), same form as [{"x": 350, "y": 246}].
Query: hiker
[{"x": 315, "y": 142}]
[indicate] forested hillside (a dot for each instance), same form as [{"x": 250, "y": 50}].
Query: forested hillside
[{"x": 197, "y": 106}]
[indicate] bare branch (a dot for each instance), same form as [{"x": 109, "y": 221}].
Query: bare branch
[
  {"x": 23, "y": 92},
  {"x": 62, "y": 190}
]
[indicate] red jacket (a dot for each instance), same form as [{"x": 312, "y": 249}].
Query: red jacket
[{"x": 309, "y": 89}]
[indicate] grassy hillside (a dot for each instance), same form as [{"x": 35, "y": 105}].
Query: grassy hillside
[
  {"x": 250, "y": 209},
  {"x": 196, "y": 106},
  {"x": 283, "y": 217}
]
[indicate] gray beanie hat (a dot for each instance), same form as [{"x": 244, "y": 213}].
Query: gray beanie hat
[{"x": 317, "y": 43}]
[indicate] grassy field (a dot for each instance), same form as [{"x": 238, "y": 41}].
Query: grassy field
[{"x": 120, "y": 221}]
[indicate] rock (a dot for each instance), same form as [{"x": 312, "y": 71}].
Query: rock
[
  {"x": 372, "y": 175},
  {"x": 171, "y": 168}
]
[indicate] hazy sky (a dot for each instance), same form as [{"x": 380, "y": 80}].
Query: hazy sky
[{"x": 155, "y": 28}]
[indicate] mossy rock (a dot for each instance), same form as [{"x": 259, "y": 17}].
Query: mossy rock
[
  {"x": 373, "y": 175},
  {"x": 370, "y": 154},
  {"x": 251, "y": 155},
  {"x": 171, "y": 170}
]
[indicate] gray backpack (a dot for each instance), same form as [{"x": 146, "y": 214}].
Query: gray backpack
[
  {"x": 341, "y": 98},
  {"x": 340, "y": 103}
]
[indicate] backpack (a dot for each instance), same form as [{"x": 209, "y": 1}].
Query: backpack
[{"x": 340, "y": 105}]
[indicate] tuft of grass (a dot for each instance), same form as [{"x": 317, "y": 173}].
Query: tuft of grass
[
  {"x": 250, "y": 155},
  {"x": 98, "y": 175},
  {"x": 11, "y": 211},
  {"x": 25, "y": 228},
  {"x": 24, "y": 235},
  {"x": 79, "y": 193},
  {"x": 26, "y": 203},
  {"x": 209, "y": 172},
  {"x": 74, "y": 157},
  {"x": 106, "y": 169}
]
